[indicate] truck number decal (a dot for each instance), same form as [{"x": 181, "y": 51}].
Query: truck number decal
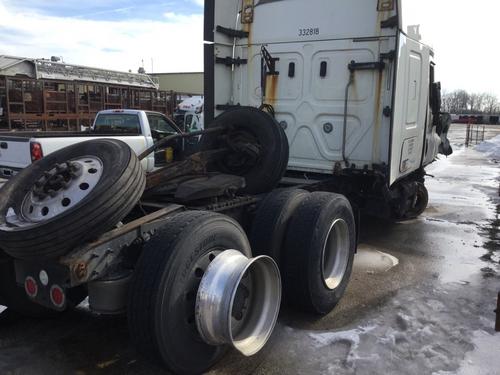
[{"x": 309, "y": 31}]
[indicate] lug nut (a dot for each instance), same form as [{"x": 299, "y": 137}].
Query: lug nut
[{"x": 58, "y": 179}]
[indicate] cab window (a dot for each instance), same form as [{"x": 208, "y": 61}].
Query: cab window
[
  {"x": 160, "y": 124},
  {"x": 117, "y": 123}
]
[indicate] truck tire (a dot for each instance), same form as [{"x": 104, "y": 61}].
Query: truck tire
[
  {"x": 271, "y": 221},
  {"x": 14, "y": 297},
  {"x": 264, "y": 169},
  {"x": 414, "y": 205},
  {"x": 419, "y": 204},
  {"x": 320, "y": 245},
  {"x": 161, "y": 309},
  {"x": 71, "y": 196}
]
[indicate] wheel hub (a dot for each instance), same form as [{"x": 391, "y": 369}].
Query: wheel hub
[
  {"x": 59, "y": 189},
  {"x": 335, "y": 254},
  {"x": 56, "y": 179}
]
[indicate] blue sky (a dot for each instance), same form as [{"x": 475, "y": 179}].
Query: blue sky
[
  {"x": 165, "y": 36},
  {"x": 108, "y": 10}
]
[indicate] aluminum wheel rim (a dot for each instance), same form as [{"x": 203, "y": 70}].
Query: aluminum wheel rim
[
  {"x": 225, "y": 314},
  {"x": 59, "y": 190},
  {"x": 335, "y": 257}
]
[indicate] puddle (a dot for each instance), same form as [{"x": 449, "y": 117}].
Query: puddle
[{"x": 371, "y": 260}]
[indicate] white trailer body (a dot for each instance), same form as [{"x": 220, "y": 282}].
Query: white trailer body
[{"x": 351, "y": 89}]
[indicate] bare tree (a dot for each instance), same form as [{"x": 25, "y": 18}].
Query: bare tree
[
  {"x": 463, "y": 102},
  {"x": 491, "y": 104}
]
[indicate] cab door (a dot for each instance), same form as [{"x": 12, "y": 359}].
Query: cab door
[{"x": 410, "y": 107}]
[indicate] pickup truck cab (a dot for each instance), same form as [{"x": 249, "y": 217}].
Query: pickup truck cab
[{"x": 139, "y": 129}]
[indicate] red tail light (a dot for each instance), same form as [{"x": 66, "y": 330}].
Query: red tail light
[
  {"x": 31, "y": 287},
  {"x": 36, "y": 151},
  {"x": 57, "y": 296}
]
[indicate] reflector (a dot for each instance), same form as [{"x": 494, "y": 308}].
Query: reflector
[{"x": 385, "y": 5}]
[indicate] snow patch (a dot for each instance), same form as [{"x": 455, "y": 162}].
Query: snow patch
[
  {"x": 328, "y": 338},
  {"x": 482, "y": 359},
  {"x": 491, "y": 147},
  {"x": 484, "y": 356},
  {"x": 2, "y": 309}
]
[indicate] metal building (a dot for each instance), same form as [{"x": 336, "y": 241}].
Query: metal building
[
  {"x": 39, "y": 94},
  {"x": 181, "y": 82}
]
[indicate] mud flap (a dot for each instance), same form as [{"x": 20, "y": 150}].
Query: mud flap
[{"x": 442, "y": 129}]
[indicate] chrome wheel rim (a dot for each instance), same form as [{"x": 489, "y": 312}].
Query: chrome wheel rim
[
  {"x": 335, "y": 257},
  {"x": 59, "y": 190}
]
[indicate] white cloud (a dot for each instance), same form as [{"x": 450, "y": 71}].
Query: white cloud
[{"x": 175, "y": 44}]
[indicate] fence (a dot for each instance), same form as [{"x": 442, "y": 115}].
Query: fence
[
  {"x": 475, "y": 134},
  {"x": 41, "y": 105}
]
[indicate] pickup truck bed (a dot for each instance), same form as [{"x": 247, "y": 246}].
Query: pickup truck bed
[{"x": 138, "y": 129}]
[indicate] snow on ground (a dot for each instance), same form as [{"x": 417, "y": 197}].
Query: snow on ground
[{"x": 491, "y": 148}]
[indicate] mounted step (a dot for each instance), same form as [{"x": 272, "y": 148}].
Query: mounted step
[{"x": 230, "y": 61}]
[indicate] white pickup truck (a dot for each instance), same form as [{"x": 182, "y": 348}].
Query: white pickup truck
[{"x": 139, "y": 129}]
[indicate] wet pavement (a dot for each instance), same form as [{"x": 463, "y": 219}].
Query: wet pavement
[{"x": 420, "y": 301}]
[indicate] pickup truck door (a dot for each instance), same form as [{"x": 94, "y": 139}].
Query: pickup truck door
[{"x": 161, "y": 127}]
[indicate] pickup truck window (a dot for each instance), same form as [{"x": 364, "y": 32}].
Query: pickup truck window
[
  {"x": 117, "y": 123},
  {"x": 160, "y": 124}
]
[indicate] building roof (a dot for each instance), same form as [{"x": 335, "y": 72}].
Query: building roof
[{"x": 47, "y": 69}]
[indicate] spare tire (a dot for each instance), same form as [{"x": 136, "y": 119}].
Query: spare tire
[
  {"x": 258, "y": 148},
  {"x": 71, "y": 196}
]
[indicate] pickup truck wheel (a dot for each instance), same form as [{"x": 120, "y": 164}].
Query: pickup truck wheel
[
  {"x": 69, "y": 197},
  {"x": 258, "y": 148},
  {"x": 161, "y": 309},
  {"x": 320, "y": 246},
  {"x": 271, "y": 221}
]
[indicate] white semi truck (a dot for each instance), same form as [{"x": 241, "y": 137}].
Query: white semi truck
[
  {"x": 354, "y": 92},
  {"x": 316, "y": 111}
]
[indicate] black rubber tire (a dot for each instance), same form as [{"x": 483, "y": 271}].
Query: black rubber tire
[
  {"x": 157, "y": 311},
  {"x": 117, "y": 192},
  {"x": 14, "y": 297},
  {"x": 418, "y": 207},
  {"x": 271, "y": 221},
  {"x": 274, "y": 150},
  {"x": 302, "y": 261}
]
